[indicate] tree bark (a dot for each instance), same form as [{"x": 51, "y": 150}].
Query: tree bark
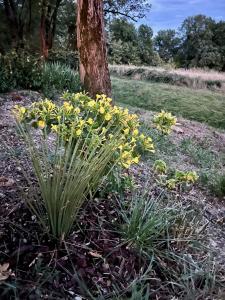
[
  {"x": 91, "y": 43},
  {"x": 48, "y": 25}
]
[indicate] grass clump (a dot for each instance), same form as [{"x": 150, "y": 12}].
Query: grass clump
[{"x": 171, "y": 236}]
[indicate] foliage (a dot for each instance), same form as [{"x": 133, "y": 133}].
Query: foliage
[
  {"x": 65, "y": 173},
  {"x": 19, "y": 70},
  {"x": 64, "y": 57},
  {"x": 128, "y": 45},
  {"x": 117, "y": 182},
  {"x": 167, "y": 43},
  {"x": 172, "y": 181},
  {"x": 150, "y": 224},
  {"x": 160, "y": 166},
  {"x": 127, "y": 8},
  {"x": 164, "y": 121},
  {"x": 198, "y": 47},
  {"x": 57, "y": 77}
]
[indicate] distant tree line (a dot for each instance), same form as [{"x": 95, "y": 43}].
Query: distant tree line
[
  {"x": 49, "y": 26},
  {"x": 200, "y": 42}
]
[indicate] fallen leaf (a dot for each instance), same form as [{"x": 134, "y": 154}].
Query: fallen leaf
[
  {"x": 95, "y": 254},
  {"x": 4, "y": 272},
  {"x": 5, "y": 182}
]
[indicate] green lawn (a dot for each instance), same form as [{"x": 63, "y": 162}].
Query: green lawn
[{"x": 199, "y": 105}]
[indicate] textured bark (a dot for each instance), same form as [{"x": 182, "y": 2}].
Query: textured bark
[
  {"x": 91, "y": 43},
  {"x": 48, "y": 25}
]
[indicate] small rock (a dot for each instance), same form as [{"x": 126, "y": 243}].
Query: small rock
[{"x": 2, "y": 196}]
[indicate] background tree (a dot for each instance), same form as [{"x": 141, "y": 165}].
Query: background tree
[
  {"x": 219, "y": 41},
  {"x": 131, "y": 9},
  {"x": 167, "y": 43},
  {"x": 145, "y": 44},
  {"x": 91, "y": 42},
  {"x": 197, "y": 46}
]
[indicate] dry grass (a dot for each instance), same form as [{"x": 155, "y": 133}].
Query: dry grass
[{"x": 194, "y": 78}]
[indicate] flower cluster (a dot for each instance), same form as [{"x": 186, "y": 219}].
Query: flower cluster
[
  {"x": 85, "y": 116},
  {"x": 179, "y": 178},
  {"x": 164, "y": 121}
]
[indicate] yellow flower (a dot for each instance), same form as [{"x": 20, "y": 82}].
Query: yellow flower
[
  {"x": 135, "y": 160},
  {"x": 125, "y": 154},
  {"x": 54, "y": 127},
  {"x": 91, "y": 103},
  {"x": 126, "y": 131},
  {"x": 90, "y": 121},
  {"x": 78, "y": 132},
  {"x": 41, "y": 124},
  {"x": 108, "y": 117},
  {"x": 103, "y": 130},
  {"x": 22, "y": 110},
  {"x": 101, "y": 110},
  {"x": 67, "y": 106},
  {"x": 171, "y": 183},
  {"x": 77, "y": 110},
  {"x": 142, "y": 136},
  {"x": 135, "y": 132},
  {"x": 127, "y": 164}
]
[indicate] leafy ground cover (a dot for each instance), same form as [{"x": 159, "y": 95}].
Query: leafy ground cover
[
  {"x": 126, "y": 245},
  {"x": 200, "y": 105}
]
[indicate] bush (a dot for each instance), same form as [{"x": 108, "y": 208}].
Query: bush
[
  {"x": 91, "y": 137},
  {"x": 20, "y": 70},
  {"x": 57, "y": 77},
  {"x": 68, "y": 58}
]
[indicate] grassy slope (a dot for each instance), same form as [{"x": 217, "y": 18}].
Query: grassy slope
[{"x": 200, "y": 105}]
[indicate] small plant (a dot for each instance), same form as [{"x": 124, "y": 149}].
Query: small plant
[
  {"x": 160, "y": 167},
  {"x": 82, "y": 140},
  {"x": 145, "y": 223},
  {"x": 164, "y": 121},
  {"x": 118, "y": 181},
  {"x": 66, "y": 173}
]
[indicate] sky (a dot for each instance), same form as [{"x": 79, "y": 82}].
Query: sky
[{"x": 166, "y": 14}]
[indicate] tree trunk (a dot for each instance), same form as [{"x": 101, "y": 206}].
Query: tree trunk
[
  {"x": 91, "y": 43},
  {"x": 48, "y": 25}
]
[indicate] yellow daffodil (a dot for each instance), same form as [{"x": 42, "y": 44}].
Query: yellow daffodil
[
  {"x": 90, "y": 121},
  {"x": 135, "y": 132},
  {"x": 108, "y": 117},
  {"x": 101, "y": 110},
  {"x": 77, "y": 110},
  {"x": 41, "y": 124},
  {"x": 91, "y": 103},
  {"x": 135, "y": 160},
  {"x": 126, "y": 131},
  {"x": 78, "y": 132}
]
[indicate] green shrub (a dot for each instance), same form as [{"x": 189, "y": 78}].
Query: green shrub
[
  {"x": 20, "y": 70},
  {"x": 63, "y": 57},
  {"x": 57, "y": 77}
]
